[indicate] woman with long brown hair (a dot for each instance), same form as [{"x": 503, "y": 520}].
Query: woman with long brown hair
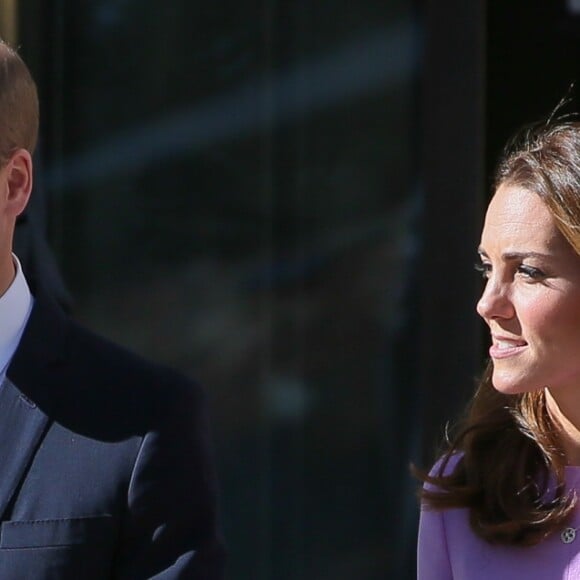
[{"x": 501, "y": 502}]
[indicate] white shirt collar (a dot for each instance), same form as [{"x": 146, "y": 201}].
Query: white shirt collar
[{"x": 15, "y": 307}]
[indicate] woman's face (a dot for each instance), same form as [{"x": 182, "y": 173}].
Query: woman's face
[{"x": 531, "y": 300}]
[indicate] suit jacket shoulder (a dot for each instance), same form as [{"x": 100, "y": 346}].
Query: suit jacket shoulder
[
  {"x": 75, "y": 375},
  {"x": 111, "y": 447}
]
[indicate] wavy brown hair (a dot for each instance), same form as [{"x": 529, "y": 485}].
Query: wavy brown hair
[{"x": 510, "y": 468}]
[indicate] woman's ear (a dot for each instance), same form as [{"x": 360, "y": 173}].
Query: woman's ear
[{"x": 18, "y": 182}]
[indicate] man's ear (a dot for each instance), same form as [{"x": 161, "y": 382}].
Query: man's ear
[{"x": 18, "y": 181}]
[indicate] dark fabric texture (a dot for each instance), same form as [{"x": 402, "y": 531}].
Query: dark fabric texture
[{"x": 106, "y": 463}]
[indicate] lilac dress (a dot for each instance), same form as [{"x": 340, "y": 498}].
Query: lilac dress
[{"x": 448, "y": 549}]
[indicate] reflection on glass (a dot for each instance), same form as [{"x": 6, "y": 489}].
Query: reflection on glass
[{"x": 238, "y": 200}]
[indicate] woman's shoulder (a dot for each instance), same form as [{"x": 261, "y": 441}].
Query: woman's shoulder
[
  {"x": 443, "y": 467},
  {"x": 446, "y": 464}
]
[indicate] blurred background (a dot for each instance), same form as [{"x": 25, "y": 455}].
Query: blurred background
[{"x": 283, "y": 200}]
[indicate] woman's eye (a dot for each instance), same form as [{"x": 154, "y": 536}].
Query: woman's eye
[
  {"x": 483, "y": 269},
  {"x": 530, "y": 272}
]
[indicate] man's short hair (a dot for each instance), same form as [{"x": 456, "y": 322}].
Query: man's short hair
[{"x": 19, "y": 112}]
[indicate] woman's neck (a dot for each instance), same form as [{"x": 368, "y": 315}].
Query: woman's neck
[{"x": 566, "y": 416}]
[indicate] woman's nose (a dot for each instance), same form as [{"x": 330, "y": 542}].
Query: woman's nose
[{"x": 495, "y": 302}]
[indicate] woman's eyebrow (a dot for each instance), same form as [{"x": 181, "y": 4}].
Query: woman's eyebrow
[{"x": 513, "y": 255}]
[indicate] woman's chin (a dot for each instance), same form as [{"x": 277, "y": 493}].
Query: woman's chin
[{"x": 509, "y": 385}]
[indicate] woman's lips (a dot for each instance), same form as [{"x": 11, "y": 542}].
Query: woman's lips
[{"x": 505, "y": 348}]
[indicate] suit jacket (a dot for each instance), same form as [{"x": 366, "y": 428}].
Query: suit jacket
[{"x": 105, "y": 469}]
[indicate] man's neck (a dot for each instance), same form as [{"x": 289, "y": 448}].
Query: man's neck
[{"x": 7, "y": 274}]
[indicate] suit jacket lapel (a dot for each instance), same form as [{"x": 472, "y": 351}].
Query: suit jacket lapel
[
  {"x": 22, "y": 426},
  {"x": 37, "y": 364},
  {"x": 26, "y": 394}
]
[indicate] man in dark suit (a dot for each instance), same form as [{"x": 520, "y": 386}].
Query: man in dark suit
[{"x": 105, "y": 469}]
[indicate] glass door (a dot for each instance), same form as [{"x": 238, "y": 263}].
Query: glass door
[{"x": 230, "y": 188}]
